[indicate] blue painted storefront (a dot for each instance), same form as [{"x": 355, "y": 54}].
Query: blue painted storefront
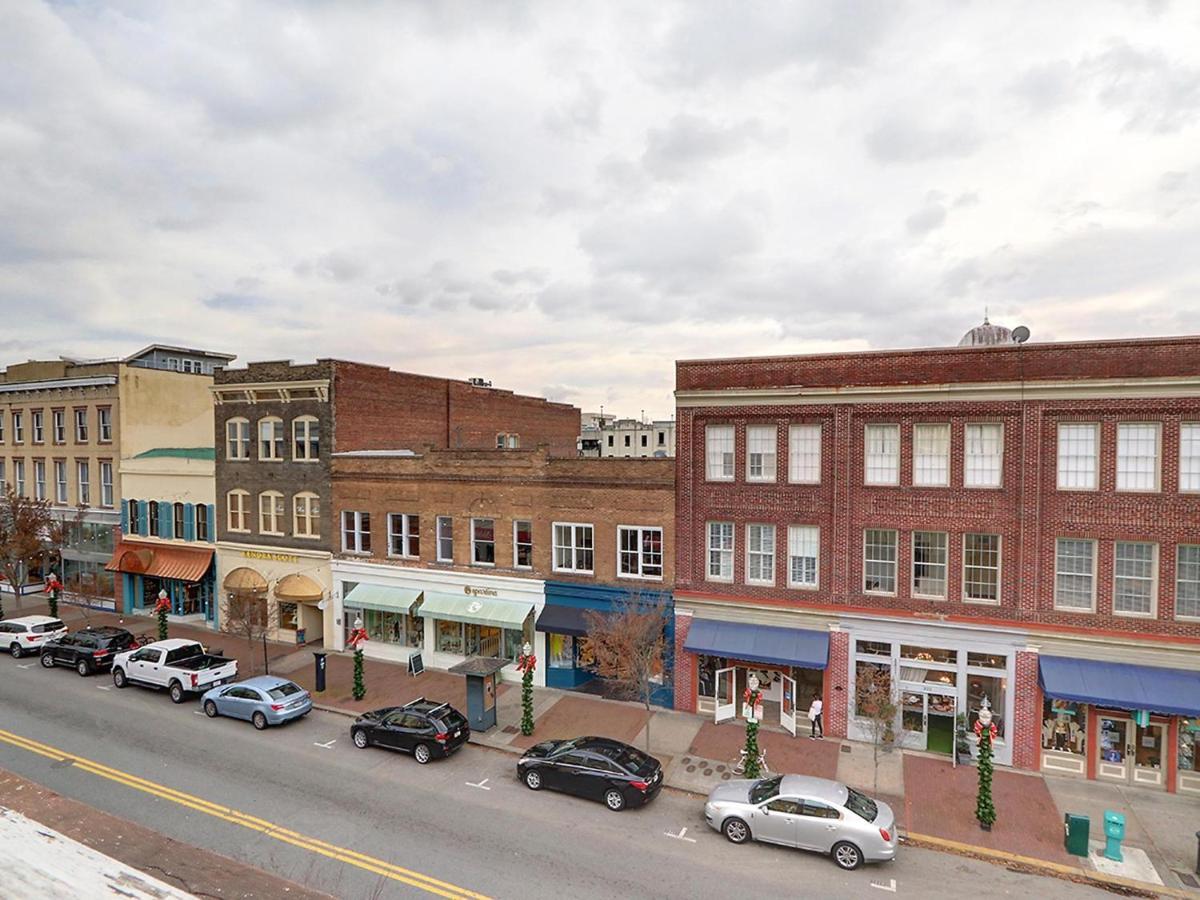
[{"x": 134, "y": 588}]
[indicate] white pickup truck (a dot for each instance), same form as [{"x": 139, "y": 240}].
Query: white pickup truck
[{"x": 182, "y": 667}]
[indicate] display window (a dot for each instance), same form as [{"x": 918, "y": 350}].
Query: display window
[
  {"x": 449, "y": 637},
  {"x": 1064, "y": 727},
  {"x": 995, "y": 689},
  {"x": 1189, "y": 743},
  {"x": 389, "y": 627},
  {"x": 561, "y": 650}
]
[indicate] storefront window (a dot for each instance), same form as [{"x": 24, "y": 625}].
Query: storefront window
[
  {"x": 934, "y": 677},
  {"x": 1064, "y": 727},
  {"x": 287, "y": 616},
  {"x": 707, "y": 676},
  {"x": 870, "y": 675},
  {"x": 583, "y": 651},
  {"x": 1112, "y": 739},
  {"x": 450, "y": 637},
  {"x": 561, "y": 651},
  {"x": 987, "y": 661},
  {"x": 514, "y": 641},
  {"x": 482, "y": 640},
  {"x": 874, "y": 648},
  {"x": 995, "y": 688},
  {"x": 1189, "y": 742},
  {"x": 1148, "y": 751},
  {"x": 929, "y": 654},
  {"x": 397, "y": 628}
]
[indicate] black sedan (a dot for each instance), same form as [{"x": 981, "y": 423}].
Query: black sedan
[
  {"x": 593, "y": 767},
  {"x": 423, "y": 728}
]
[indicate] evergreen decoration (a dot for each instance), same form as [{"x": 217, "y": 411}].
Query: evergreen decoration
[
  {"x": 54, "y": 589},
  {"x": 161, "y": 608},
  {"x": 752, "y": 767},
  {"x": 526, "y": 663},
  {"x": 985, "y": 809},
  {"x": 357, "y": 638}
]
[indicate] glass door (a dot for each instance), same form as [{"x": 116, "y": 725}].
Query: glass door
[
  {"x": 1149, "y": 755},
  {"x": 940, "y": 711},
  {"x": 787, "y": 705},
  {"x": 726, "y": 694},
  {"x": 912, "y": 718},
  {"x": 1113, "y": 764}
]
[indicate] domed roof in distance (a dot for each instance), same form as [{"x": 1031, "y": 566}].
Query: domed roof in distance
[{"x": 986, "y": 335}]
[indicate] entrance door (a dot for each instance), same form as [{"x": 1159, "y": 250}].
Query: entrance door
[
  {"x": 787, "y": 705},
  {"x": 940, "y": 710},
  {"x": 1115, "y": 750},
  {"x": 912, "y": 718},
  {"x": 726, "y": 695},
  {"x": 1148, "y": 755}
]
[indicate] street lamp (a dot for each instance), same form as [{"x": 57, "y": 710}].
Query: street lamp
[
  {"x": 527, "y": 649},
  {"x": 985, "y": 712}
]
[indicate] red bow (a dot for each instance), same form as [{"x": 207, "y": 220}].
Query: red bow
[
  {"x": 163, "y": 605},
  {"x": 53, "y": 585},
  {"x": 751, "y": 694},
  {"x": 992, "y": 730},
  {"x": 526, "y": 663},
  {"x": 357, "y": 636}
]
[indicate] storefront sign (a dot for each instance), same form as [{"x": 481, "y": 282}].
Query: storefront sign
[
  {"x": 274, "y": 557},
  {"x": 479, "y": 592}
]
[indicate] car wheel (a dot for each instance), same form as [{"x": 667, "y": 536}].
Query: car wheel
[
  {"x": 119, "y": 678},
  {"x": 847, "y": 856},
  {"x": 15, "y": 649},
  {"x": 533, "y": 780},
  {"x": 614, "y": 800},
  {"x": 177, "y": 695},
  {"x": 47, "y": 660},
  {"x": 737, "y": 831},
  {"x": 421, "y": 753},
  {"x": 83, "y": 667},
  {"x": 360, "y": 739},
  {"x": 259, "y": 720},
  {"x": 210, "y": 709}
]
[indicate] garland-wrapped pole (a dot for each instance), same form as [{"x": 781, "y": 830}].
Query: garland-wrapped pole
[
  {"x": 54, "y": 589},
  {"x": 526, "y": 663},
  {"x": 752, "y": 697},
  {"x": 357, "y": 638},
  {"x": 161, "y": 608},
  {"x": 985, "y": 729}
]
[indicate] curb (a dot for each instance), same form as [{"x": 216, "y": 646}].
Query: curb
[{"x": 1114, "y": 883}]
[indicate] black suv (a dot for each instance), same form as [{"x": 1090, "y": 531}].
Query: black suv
[
  {"x": 87, "y": 651},
  {"x": 423, "y": 728}
]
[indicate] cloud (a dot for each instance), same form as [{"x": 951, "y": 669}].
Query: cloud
[
  {"x": 930, "y": 216},
  {"x": 1154, "y": 93},
  {"x": 687, "y": 143},
  {"x": 905, "y": 140}
]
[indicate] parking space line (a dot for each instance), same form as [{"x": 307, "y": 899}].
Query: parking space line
[
  {"x": 103, "y": 687},
  {"x": 682, "y": 836},
  {"x": 890, "y": 887},
  {"x": 481, "y": 785},
  {"x": 325, "y": 746}
]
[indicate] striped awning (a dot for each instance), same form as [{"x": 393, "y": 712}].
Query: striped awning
[{"x": 161, "y": 561}]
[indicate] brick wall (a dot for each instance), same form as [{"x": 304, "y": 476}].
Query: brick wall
[
  {"x": 1027, "y": 714},
  {"x": 685, "y": 666},
  {"x": 837, "y": 695}
]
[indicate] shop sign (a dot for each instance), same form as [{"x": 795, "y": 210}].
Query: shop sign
[
  {"x": 479, "y": 592},
  {"x": 274, "y": 557}
]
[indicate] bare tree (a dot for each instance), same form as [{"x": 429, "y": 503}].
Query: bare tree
[
  {"x": 628, "y": 646},
  {"x": 25, "y": 530},
  {"x": 246, "y": 616},
  {"x": 875, "y": 708}
]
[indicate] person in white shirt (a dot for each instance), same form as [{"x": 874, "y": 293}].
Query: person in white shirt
[{"x": 814, "y": 718}]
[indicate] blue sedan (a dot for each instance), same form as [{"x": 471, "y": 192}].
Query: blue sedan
[{"x": 264, "y": 700}]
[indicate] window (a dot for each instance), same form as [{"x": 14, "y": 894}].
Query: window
[
  {"x": 3, "y": 482},
  {"x": 237, "y": 439},
  {"x": 236, "y": 503},
  {"x": 610, "y": 440},
  {"x": 1187, "y": 581},
  {"x": 640, "y": 552},
  {"x": 879, "y": 561},
  {"x": 572, "y": 547},
  {"x": 760, "y": 452},
  {"x": 983, "y": 455},
  {"x": 1075, "y": 574},
  {"x": 645, "y": 442},
  {"x": 201, "y": 520},
  {"x": 931, "y": 455},
  {"x": 523, "y": 544},
  {"x": 85, "y": 488},
  {"x": 929, "y": 563},
  {"x": 60, "y": 480},
  {"x": 804, "y": 454},
  {"x": 1137, "y": 456},
  {"x": 981, "y": 568},
  {"x": 81, "y": 425},
  {"x": 720, "y": 551},
  {"x": 106, "y": 483},
  {"x": 39, "y": 479},
  {"x": 483, "y": 542},
  {"x": 104, "y": 420},
  {"x": 2, "y": 414},
  {"x": 306, "y": 438},
  {"x": 1064, "y": 727},
  {"x": 270, "y": 438},
  {"x": 445, "y": 539},
  {"x": 804, "y": 545},
  {"x": 404, "y": 535},
  {"x": 662, "y": 439},
  {"x": 1135, "y": 567},
  {"x": 135, "y": 526},
  {"x": 19, "y": 477},
  {"x": 306, "y": 515},
  {"x": 152, "y": 518},
  {"x": 177, "y": 520},
  {"x": 1077, "y": 457},
  {"x": 883, "y": 454},
  {"x": 760, "y": 554},
  {"x": 58, "y": 424},
  {"x": 627, "y": 439},
  {"x": 38, "y": 418},
  {"x": 18, "y": 427},
  {"x": 719, "y": 450},
  {"x": 1189, "y": 456},
  {"x": 356, "y": 531}
]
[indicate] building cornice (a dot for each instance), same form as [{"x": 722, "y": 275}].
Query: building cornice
[
  {"x": 268, "y": 391},
  {"x": 58, "y": 384}
]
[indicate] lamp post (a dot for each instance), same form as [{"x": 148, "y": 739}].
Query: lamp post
[
  {"x": 161, "y": 608},
  {"x": 985, "y": 728},
  {"x": 752, "y": 766},
  {"x": 526, "y": 663}
]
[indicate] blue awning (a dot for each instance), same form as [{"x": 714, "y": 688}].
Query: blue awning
[
  {"x": 558, "y": 619},
  {"x": 1121, "y": 685},
  {"x": 759, "y": 643}
]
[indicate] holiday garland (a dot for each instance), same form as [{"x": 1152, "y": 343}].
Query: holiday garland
[
  {"x": 525, "y": 665},
  {"x": 54, "y": 589},
  {"x": 752, "y": 768},
  {"x": 161, "y": 608},
  {"x": 357, "y": 638},
  {"x": 985, "y": 808}
]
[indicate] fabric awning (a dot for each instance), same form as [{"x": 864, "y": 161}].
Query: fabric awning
[
  {"x": 379, "y": 596},
  {"x": 245, "y": 580},
  {"x": 558, "y": 619},
  {"x": 165, "y": 561},
  {"x": 478, "y": 610},
  {"x": 759, "y": 643},
  {"x": 299, "y": 588},
  {"x": 1121, "y": 685}
]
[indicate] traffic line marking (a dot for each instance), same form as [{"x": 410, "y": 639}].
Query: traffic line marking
[
  {"x": 103, "y": 687},
  {"x": 890, "y": 886},
  {"x": 24, "y": 665},
  {"x": 245, "y": 820},
  {"x": 197, "y": 712},
  {"x": 481, "y": 785},
  {"x": 325, "y": 746},
  {"x": 682, "y": 836}
]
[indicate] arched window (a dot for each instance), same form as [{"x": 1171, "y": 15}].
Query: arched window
[
  {"x": 152, "y": 515},
  {"x": 270, "y": 438},
  {"x": 237, "y": 439},
  {"x": 306, "y": 515},
  {"x": 236, "y": 503},
  {"x": 270, "y": 512},
  {"x": 306, "y": 438}
]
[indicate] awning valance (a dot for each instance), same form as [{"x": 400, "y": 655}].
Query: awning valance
[
  {"x": 161, "y": 561},
  {"x": 759, "y": 643},
  {"x": 1121, "y": 685},
  {"x": 478, "y": 610},
  {"x": 558, "y": 619},
  {"x": 379, "y": 596},
  {"x": 245, "y": 580},
  {"x": 299, "y": 588}
]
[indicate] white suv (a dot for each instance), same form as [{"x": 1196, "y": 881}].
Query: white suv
[{"x": 28, "y": 633}]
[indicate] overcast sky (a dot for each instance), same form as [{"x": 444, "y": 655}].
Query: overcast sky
[{"x": 565, "y": 197}]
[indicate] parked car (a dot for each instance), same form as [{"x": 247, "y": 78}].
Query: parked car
[
  {"x": 264, "y": 700},
  {"x": 423, "y": 728},
  {"x": 27, "y": 633},
  {"x": 810, "y": 813},
  {"x": 182, "y": 667},
  {"x": 87, "y": 650},
  {"x": 593, "y": 767}
]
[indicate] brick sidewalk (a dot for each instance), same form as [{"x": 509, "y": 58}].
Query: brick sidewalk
[{"x": 793, "y": 755}]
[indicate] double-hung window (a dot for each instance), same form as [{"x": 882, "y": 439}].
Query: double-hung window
[
  {"x": 58, "y": 425},
  {"x": 804, "y": 454},
  {"x": 106, "y": 484},
  {"x": 1187, "y": 581},
  {"x": 39, "y": 479},
  {"x": 983, "y": 454},
  {"x": 201, "y": 511},
  {"x": 639, "y": 552},
  {"x": 879, "y": 561},
  {"x": 483, "y": 542},
  {"x": 356, "y": 531},
  {"x": 236, "y": 503},
  {"x": 81, "y": 425},
  {"x": 1078, "y": 447},
  {"x": 1189, "y": 456},
  {"x": 719, "y": 452},
  {"x": 931, "y": 455},
  {"x": 404, "y": 535},
  {"x": 38, "y": 418},
  {"x": 177, "y": 521},
  {"x": 573, "y": 548},
  {"x": 104, "y": 421},
  {"x": 19, "y": 477},
  {"x": 761, "y": 441},
  {"x": 929, "y": 549},
  {"x": 237, "y": 439},
  {"x": 804, "y": 553},
  {"x": 981, "y": 568},
  {"x": 720, "y": 551},
  {"x": 18, "y": 418},
  {"x": 1075, "y": 574},
  {"x": 523, "y": 544},
  {"x": 270, "y": 438},
  {"x": 306, "y": 515},
  {"x": 60, "y": 481},
  {"x": 445, "y": 539},
  {"x": 270, "y": 512},
  {"x": 83, "y": 474},
  {"x": 882, "y": 454},
  {"x": 760, "y": 554},
  {"x": 306, "y": 438},
  {"x": 1135, "y": 577},
  {"x": 1137, "y": 456}
]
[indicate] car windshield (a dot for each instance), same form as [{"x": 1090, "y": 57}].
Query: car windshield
[
  {"x": 452, "y": 719},
  {"x": 47, "y": 627},
  {"x": 765, "y": 789},
  {"x": 861, "y": 805},
  {"x": 628, "y": 758},
  {"x": 284, "y": 690}
]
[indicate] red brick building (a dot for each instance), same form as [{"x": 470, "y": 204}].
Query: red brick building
[{"x": 1019, "y": 523}]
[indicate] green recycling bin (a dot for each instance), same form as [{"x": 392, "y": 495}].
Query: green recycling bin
[
  {"x": 1114, "y": 833},
  {"x": 1076, "y": 829}
]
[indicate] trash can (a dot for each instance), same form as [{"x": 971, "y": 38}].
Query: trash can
[
  {"x": 319, "y": 678},
  {"x": 1114, "y": 833},
  {"x": 1076, "y": 828}
]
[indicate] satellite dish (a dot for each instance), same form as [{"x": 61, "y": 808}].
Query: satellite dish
[{"x": 1020, "y": 334}]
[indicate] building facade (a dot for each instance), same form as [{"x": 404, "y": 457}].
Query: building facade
[
  {"x": 462, "y": 553},
  {"x": 1009, "y": 523},
  {"x": 608, "y": 436}
]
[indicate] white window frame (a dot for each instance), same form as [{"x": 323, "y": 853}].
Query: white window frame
[
  {"x": 106, "y": 483},
  {"x": 60, "y": 481},
  {"x": 518, "y": 543},
  {"x": 766, "y": 529},
  {"x": 879, "y": 429},
  {"x": 58, "y": 425},
  {"x": 1155, "y": 429},
  {"x": 37, "y": 425},
  {"x": 1095, "y": 564},
  {"x": 278, "y": 510},
  {"x": 83, "y": 478},
  {"x": 971, "y": 472},
  {"x": 448, "y": 522},
  {"x": 305, "y": 522},
  {"x": 895, "y": 562},
  {"x": 404, "y": 533},
  {"x": 931, "y": 469},
  {"x": 306, "y": 424},
  {"x": 18, "y": 426},
  {"x": 238, "y": 509},
  {"x": 575, "y": 547},
  {"x": 801, "y": 458},
  {"x": 237, "y": 439},
  {"x": 768, "y": 459},
  {"x": 1062, "y": 435},
  {"x": 19, "y": 477},
  {"x": 924, "y": 595},
  {"x": 797, "y": 542},
  {"x": 1187, "y": 617},
  {"x": 39, "y": 479},
  {"x": 984, "y": 601},
  {"x": 81, "y": 425},
  {"x": 356, "y": 532},
  {"x": 475, "y": 542},
  {"x": 104, "y": 424},
  {"x": 3, "y": 416},
  {"x": 1189, "y": 457},
  {"x": 276, "y": 442},
  {"x": 726, "y": 552},
  {"x": 1153, "y": 580},
  {"x": 727, "y": 462},
  {"x": 638, "y": 531}
]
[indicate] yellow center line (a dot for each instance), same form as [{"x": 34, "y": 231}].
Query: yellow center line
[{"x": 245, "y": 820}]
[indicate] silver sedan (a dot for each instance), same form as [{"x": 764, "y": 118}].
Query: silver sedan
[{"x": 810, "y": 813}]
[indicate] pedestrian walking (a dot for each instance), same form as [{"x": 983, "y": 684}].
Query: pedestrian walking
[{"x": 817, "y": 729}]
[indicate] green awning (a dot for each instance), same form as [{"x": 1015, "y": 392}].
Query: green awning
[
  {"x": 380, "y": 596},
  {"x": 477, "y": 610}
]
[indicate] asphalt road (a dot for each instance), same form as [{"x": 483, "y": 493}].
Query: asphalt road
[{"x": 303, "y": 802}]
